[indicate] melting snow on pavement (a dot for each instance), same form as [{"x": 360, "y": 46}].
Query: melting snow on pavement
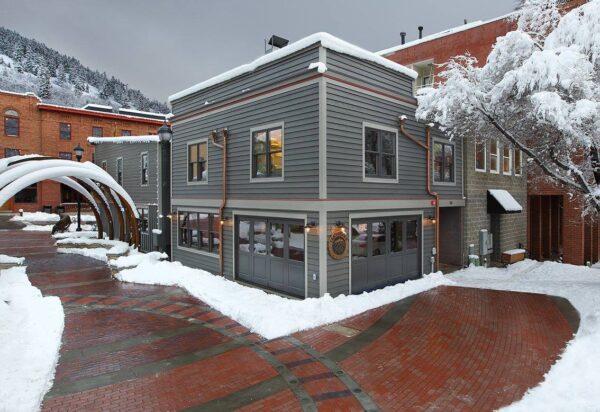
[{"x": 30, "y": 334}]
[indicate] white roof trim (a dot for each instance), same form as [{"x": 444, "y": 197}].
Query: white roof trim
[
  {"x": 152, "y": 138},
  {"x": 506, "y": 200},
  {"x": 327, "y": 41}
]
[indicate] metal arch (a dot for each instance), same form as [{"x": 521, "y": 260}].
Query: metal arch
[{"x": 108, "y": 193}]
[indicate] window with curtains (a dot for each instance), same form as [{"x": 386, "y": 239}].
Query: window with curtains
[
  {"x": 198, "y": 161},
  {"x": 443, "y": 162},
  {"x": 267, "y": 153},
  {"x": 199, "y": 231}
]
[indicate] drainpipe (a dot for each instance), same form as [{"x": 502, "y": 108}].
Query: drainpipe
[
  {"x": 427, "y": 149},
  {"x": 223, "y": 147}
]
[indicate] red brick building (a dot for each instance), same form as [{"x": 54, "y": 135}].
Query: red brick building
[
  {"x": 32, "y": 127},
  {"x": 555, "y": 226}
]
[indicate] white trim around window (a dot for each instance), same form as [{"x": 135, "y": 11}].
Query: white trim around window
[
  {"x": 497, "y": 155},
  {"x": 142, "y": 154},
  {"x": 187, "y": 162},
  {"x": 444, "y": 142},
  {"x": 520, "y": 154},
  {"x": 510, "y": 160},
  {"x": 362, "y": 165},
  {"x": 266, "y": 127},
  {"x": 485, "y": 156}
]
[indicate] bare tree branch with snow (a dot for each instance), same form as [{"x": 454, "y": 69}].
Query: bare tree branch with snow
[{"x": 539, "y": 90}]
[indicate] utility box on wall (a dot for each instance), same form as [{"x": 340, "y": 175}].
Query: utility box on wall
[{"x": 486, "y": 242}]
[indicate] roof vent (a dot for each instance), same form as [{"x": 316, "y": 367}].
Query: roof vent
[
  {"x": 420, "y": 32},
  {"x": 403, "y": 37},
  {"x": 275, "y": 42}
]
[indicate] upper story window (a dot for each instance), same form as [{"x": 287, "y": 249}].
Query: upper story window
[
  {"x": 97, "y": 131},
  {"x": 380, "y": 156},
  {"x": 480, "y": 155},
  {"x": 125, "y": 132},
  {"x": 11, "y": 123},
  {"x": 507, "y": 160},
  {"x": 144, "y": 167},
  {"x": 198, "y": 161},
  {"x": 267, "y": 152},
  {"x": 443, "y": 162},
  {"x": 518, "y": 163},
  {"x": 494, "y": 157},
  {"x": 104, "y": 165},
  {"x": 65, "y": 131},
  {"x": 424, "y": 71},
  {"x": 65, "y": 155},
  {"x": 11, "y": 152},
  {"x": 120, "y": 171}
]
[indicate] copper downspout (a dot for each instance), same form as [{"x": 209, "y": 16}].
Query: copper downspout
[
  {"x": 213, "y": 136},
  {"x": 427, "y": 146}
]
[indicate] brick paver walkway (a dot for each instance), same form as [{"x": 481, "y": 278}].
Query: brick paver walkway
[{"x": 137, "y": 347}]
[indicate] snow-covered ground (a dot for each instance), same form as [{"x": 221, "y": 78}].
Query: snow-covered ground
[
  {"x": 100, "y": 253},
  {"x": 571, "y": 385},
  {"x": 30, "y": 334},
  {"x": 267, "y": 314},
  {"x": 573, "y": 382},
  {"x": 33, "y": 217}
]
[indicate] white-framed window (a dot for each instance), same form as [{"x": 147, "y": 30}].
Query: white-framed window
[
  {"x": 494, "y": 156},
  {"x": 120, "y": 170},
  {"x": 198, "y": 231},
  {"x": 144, "y": 168},
  {"x": 104, "y": 165},
  {"x": 267, "y": 153},
  {"x": 518, "y": 162},
  {"x": 480, "y": 155},
  {"x": 443, "y": 162},
  {"x": 197, "y": 161},
  {"x": 380, "y": 153},
  {"x": 507, "y": 159}
]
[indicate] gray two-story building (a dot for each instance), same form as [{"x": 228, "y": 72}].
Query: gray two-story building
[
  {"x": 305, "y": 172},
  {"x": 140, "y": 164}
]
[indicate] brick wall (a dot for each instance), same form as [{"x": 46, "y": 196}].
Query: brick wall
[{"x": 39, "y": 134}]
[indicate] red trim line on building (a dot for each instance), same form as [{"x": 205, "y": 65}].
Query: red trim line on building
[{"x": 62, "y": 109}]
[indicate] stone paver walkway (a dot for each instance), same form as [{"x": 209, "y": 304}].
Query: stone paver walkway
[{"x": 151, "y": 348}]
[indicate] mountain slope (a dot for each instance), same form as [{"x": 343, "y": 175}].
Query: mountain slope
[{"x": 27, "y": 65}]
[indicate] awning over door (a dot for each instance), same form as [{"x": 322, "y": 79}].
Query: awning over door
[{"x": 501, "y": 201}]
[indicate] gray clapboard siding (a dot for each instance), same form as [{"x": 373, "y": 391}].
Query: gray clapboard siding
[
  {"x": 337, "y": 270},
  {"x": 312, "y": 257},
  {"x": 346, "y": 112},
  {"x": 293, "y": 65},
  {"x": 297, "y": 109},
  {"x": 369, "y": 73},
  {"x": 142, "y": 195}
]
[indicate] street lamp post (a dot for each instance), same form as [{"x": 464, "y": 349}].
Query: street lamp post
[
  {"x": 165, "y": 134},
  {"x": 78, "y": 154}
]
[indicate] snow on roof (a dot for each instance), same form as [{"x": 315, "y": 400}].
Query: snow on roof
[
  {"x": 97, "y": 106},
  {"x": 440, "y": 34},
  {"x": 94, "y": 113},
  {"x": 327, "y": 40},
  {"x": 142, "y": 113},
  {"x": 21, "y": 94},
  {"x": 506, "y": 200},
  {"x": 151, "y": 138}
]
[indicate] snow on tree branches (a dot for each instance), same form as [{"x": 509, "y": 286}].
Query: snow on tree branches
[{"x": 539, "y": 91}]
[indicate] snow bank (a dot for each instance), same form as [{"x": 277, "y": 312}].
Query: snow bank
[
  {"x": 572, "y": 383},
  {"x": 30, "y": 334},
  {"x": 124, "y": 139},
  {"x": 99, "y": 253},
  {"x": 11, "y": 259},
  {"x": 327, "y": 40},
  {"x": 137, "y": 258},
  {"x": 48, "y": 217},
  {"x": 267, "y": 314},
  {"x": 94, "y": 253}
]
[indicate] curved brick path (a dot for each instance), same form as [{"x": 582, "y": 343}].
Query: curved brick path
[{"x": 137, "y": 347}]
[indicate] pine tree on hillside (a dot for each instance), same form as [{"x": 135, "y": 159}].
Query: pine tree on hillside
[{"x": 45, "y": 89}]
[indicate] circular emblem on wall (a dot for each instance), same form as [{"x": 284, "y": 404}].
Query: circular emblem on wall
[{"x": 338, "y": 244}]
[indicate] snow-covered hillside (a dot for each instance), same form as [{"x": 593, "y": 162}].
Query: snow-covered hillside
[{"x": 29, "y": 66}]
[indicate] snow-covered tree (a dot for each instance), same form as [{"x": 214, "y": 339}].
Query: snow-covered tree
[
  {"x": 45, "y": 88},
  {"x": 539, "y": 91}
]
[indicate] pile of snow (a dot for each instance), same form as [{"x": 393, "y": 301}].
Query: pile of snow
[
  {"x": 30, "y": 334},
  {"x": 36, "y": 217},
  {"x": 100, "y": 253},
  {"x": 267, "y": 314},
  {"x": 32, "y": 221},
  {"x": 89, "y": 234},
  {"x": 124, "y": 139},
  {"x": 11, "y": 259},
  {"x": 135, "y": 259},
  {"x": 48, "y": 228},
  {"x": 572, "y": 383}
]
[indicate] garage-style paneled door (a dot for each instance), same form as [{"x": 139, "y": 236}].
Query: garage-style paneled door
[
  {"x": 270, "y": 253},
  {"x": 385, "y": 251}
]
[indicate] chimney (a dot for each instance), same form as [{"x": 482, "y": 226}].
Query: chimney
[
  {"x": 465, "y": 21},
  {"x": 420, "y": 32},
  {"x": 403, "y": 37}
]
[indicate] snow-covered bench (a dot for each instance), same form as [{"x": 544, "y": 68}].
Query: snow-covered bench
[{"x": 512, "y": 256}]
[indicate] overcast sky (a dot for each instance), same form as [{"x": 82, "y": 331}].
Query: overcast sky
[{"x": 161, "y": 47}]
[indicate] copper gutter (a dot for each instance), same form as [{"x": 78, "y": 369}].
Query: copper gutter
[
  {"x": 223, "y": 146},
  {"x": 427, "y": 147}
]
